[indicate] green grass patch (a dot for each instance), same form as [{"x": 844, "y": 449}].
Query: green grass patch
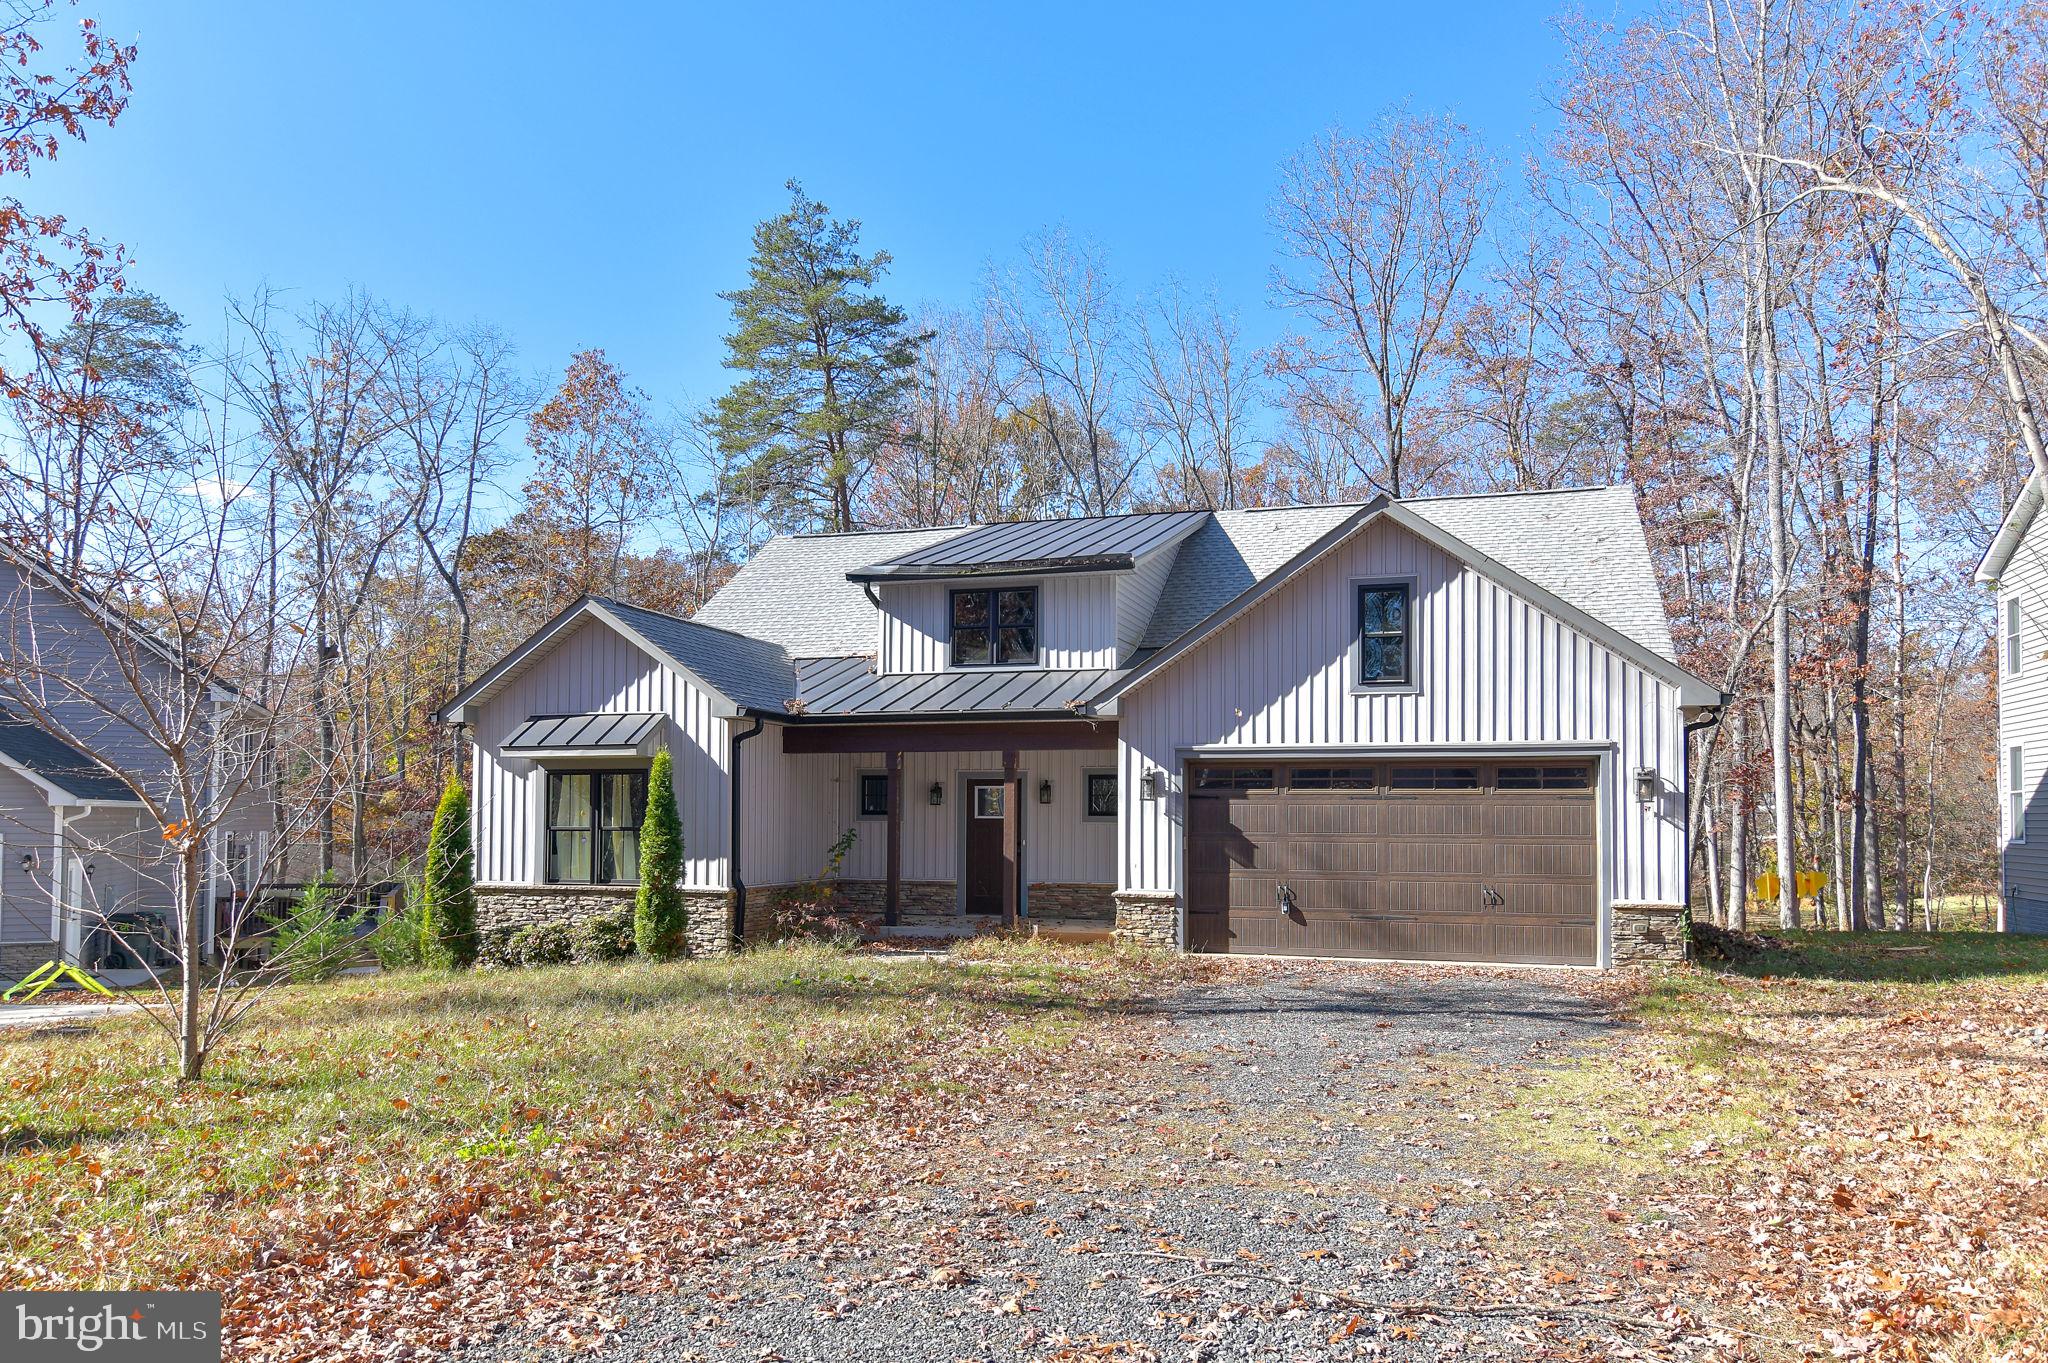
[{"x": 120, "y": 1176}]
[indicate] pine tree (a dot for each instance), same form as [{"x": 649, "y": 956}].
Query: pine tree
[
  {"x": 827, "y": 364},
  {"x": 448, "y": 889},
  {"x": 658, "y": 914}
]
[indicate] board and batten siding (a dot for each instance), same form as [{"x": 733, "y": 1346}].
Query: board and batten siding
[
  {"x": 1492, "y": 671},
  {"x": 1137, "y": 595},
  {"x": 794, "y": 805},
  {"x": 594, "y": 670},
  {"x": 1077, "y": 622},
  {"x": 2023, "y": 722}
]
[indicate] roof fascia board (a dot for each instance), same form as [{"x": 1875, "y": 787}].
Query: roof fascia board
[
  {"x": 2012, "y": 532},
  {"x": 54, "y": 793},
  {"x": 1691, "y": 689}
]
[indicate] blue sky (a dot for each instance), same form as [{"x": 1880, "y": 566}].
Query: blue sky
[{"x": 589, "y": 175}]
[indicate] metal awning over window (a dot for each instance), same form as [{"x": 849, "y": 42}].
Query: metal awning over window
[{"x": 605, "y": 735}]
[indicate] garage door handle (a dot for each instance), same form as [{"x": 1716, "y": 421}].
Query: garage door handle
[{"x": 1490, "y": 896}]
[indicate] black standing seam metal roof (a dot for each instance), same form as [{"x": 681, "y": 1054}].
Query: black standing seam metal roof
[
  {"x": 623, "y": 731},
  {"x": 58, "y": 763},
  {"x": 1104, "y": 541},
  {"x": 848, "y": 686}
]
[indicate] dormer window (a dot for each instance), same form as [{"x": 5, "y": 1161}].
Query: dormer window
[{"x": 996, "y": 627}]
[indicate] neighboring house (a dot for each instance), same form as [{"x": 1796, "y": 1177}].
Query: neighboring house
[
  {"x": 2015, "y": 568},
  {"x": 78, "y": 851},
  {"x": 1445, "y": 728}
]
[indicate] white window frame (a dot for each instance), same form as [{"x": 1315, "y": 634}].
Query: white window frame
[
  {"x": 2016, "y": 793},
  {"x": 2013, "y": 624}
]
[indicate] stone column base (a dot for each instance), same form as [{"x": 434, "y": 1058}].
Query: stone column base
[
  {"x": 1147, "y": 918},
  {"x": 1648, "y": 933},
  {"x": 707, "y": 922}
]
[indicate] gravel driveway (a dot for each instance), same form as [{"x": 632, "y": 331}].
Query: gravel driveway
[{"x": 1297, "y": 1129}]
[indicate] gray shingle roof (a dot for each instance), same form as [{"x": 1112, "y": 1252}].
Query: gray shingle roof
[
  {"x": 849, "y": 686},
  {"x": 752, "y": 672},
  {"x": 1100, "y": 542},
  {"x": 1586, "y": 546},
  {"x": 793, "y": 592},
  {"x": 57, "y": 762}
]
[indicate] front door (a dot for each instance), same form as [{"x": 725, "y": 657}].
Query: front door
[{"x": 984, "y": 851}]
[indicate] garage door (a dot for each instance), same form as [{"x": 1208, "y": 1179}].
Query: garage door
[{"x": 1443, "y": 861}]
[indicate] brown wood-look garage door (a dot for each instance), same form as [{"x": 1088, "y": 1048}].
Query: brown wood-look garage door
[{"x": 1446, "y": 861}]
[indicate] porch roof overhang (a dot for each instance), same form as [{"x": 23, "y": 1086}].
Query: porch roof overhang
[
  {"x": 983, "y": 735},
  {"x": 590, "y": 735}
]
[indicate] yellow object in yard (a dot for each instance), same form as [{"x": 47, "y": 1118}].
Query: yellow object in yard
[
  {"x": 1767, "y": 885},
  {"x": 1810, "y": 884},
  {"x": 51, "y": 973}
]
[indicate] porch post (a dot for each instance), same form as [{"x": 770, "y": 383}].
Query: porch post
[
  {"x": 892, "y": 900},
  {"x": 1012, "y": 862}
]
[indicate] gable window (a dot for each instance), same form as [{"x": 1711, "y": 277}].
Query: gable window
[
  {"x": 2012, "y": 636},
  {"x": 594, "y": 826},
  {"x": 1101, "y": 795},
  {"x": 874, "y": 795},
  {"x": 1384, "y": 642},
  {"x": 2015, "y": 794},
  {"x": 995, "y": 628}
]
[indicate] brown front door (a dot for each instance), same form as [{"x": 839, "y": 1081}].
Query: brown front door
[
  {"x": 1445, "y": 860},
  {"x": 984, "y": 852}
]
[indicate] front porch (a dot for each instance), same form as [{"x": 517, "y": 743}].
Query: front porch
[{"x": 958, "y": 828}]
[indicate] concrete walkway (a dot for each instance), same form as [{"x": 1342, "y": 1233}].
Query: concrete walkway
[{"x": 60, "y": 1014}]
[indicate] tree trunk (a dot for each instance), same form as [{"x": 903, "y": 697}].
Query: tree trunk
[
  {"x": 191, "y": 1034},
  {"x": 1738, "y": 825}
]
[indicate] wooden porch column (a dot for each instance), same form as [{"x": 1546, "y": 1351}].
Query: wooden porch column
[
  {"x": 1013, "y": 797},
  {"x": 892, "y": 901}
]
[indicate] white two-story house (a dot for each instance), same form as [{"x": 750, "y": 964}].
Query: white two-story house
[
  {"x": 2015, "y": 570},
  {"x": 1436, "y": 728}
]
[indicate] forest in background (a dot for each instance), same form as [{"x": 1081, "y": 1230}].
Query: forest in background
[{"x": 1780, "y": 268}]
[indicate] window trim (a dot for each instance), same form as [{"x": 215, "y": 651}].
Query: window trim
[
  {"x": 860, "y": 793},
  {"x": 597, "y": 827},
  {"x": 1408, "y": 684},
  {"x": 2015, "y": 794},
  {"x": 1037, "y": 626},
  {"x": 1088, "y": 775},
  {"x": 2012, "y": 624}
]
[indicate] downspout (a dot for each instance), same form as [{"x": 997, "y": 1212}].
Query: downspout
[
  {"x": 739, "y": 884},
  {"x": 1706, "y": 721}
]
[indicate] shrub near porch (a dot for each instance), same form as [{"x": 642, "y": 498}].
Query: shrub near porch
[{"x": 417, "y": 1134}]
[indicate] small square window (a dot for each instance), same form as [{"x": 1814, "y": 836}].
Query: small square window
[
  {"x": 874, "y": 795},
  {"x": 995, "y": 628},
  {"x": 1102, "y": 795},
  {"x": 988, "y": 802}
]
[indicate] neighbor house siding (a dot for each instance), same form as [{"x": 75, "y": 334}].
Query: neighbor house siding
[
  {"x": 1491, "y": 671},
  {"x": 1077, "y": 621},
  {"x": 26, "y": 825},
  {"x": 595, "y": 670},
  {"x": 2023, "y": 721},
  {"x": 794, "y": 805}
]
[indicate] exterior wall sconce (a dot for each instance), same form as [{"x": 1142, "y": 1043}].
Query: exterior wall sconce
[
  {"x": 1045, "y": 792},
  {"x": 938, "y": 793},
  {"x": 1646, "y": 786},
  {"x": 1149, "y": 785}
]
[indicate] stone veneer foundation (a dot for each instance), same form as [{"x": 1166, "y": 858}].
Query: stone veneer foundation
[
  {"x": 1649, "y": 933},
  {"x": 1147, "y": 918},
  {"x": 708, "y": 924}
]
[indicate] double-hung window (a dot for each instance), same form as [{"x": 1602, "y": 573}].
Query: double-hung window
[
  {"x": 2015, "y": 794},
  {"x": 1385, "y": 634},
  {"x": 995, "y": 627},
  {"x": 594, "y": 826}
]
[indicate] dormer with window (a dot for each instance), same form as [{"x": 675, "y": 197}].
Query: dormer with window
[{"x": 1069, "y": 595}]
